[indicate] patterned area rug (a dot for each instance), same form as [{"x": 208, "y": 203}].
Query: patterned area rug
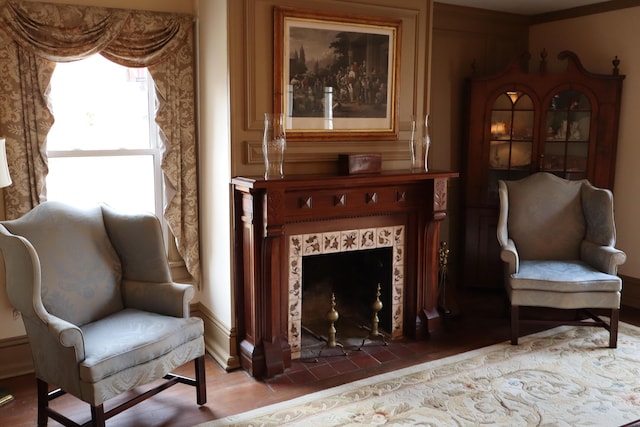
[{"x": 562, "y": 377}]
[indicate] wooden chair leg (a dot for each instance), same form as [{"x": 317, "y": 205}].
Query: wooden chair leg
[
  {"x": 613, "y": 328},
  {"x": 43, "y": 402},
  {"x": 97, "y": 416},
  {"x": 201, "y": 383},
  {"x": 515, "y": 324}
]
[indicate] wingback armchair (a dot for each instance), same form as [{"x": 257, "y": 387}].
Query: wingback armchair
[
  {"x": 557, "y": 238},
  {"x": 101, "y": 312}
]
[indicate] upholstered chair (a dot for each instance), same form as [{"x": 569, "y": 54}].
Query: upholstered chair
[
  {"x": 557, "y": 238},
  {"x": 99, "y": 307}
]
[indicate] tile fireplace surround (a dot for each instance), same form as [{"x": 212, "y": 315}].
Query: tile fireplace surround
[
  {"x": 277, "y": 222},
  {"x": 341, "y": 241}
]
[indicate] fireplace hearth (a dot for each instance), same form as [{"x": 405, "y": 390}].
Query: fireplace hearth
[{"x": 283, "y": 226}]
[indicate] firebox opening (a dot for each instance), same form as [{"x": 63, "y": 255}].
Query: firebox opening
[{"x": 353, "y": 277}]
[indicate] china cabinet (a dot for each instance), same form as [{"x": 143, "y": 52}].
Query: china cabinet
[{"x": 520, "y": 122}]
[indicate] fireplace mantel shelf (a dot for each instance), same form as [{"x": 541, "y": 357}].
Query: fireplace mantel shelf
[{"x": 267, "y": 212}]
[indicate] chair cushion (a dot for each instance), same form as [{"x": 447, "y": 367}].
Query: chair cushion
[
  {"x": 563, "y": 276},
  {"x": 132, "y": 337}
]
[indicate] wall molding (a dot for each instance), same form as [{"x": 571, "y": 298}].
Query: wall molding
[
  {"x": 220, "y": 341},
  {"x": 630, "y": 291},
  {"x": 591, "y": 9},
  {"x": 251, "y": 83},
  {"x": 15, "y": 357}
]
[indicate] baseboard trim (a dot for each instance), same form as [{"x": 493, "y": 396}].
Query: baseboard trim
[
  {"x": 15, "y": 357},
  {"x": 221, "y": 342},
  {"x": 630, "y": 291}
]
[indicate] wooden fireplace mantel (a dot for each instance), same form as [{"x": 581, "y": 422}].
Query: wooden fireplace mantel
[{"x": 268, "y": 211}]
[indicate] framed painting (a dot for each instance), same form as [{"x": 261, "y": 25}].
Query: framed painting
[{"x": 336, "y": 76}]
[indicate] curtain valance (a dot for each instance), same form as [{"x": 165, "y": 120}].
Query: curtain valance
[{"x": 63, "y": 33}]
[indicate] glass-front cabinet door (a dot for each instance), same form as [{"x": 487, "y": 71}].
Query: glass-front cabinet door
[
  {"x": 511, "y": 139},
  {"x": 566, "y": 142}
]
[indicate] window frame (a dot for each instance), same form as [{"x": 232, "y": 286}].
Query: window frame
[{"x": 155, "y": 150}]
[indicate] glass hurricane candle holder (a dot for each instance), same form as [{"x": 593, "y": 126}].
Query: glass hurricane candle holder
[
  {"x": 427, "y": 143},
  {"x": 274, "y": 145},
  {"x": 419, "y": 144}
]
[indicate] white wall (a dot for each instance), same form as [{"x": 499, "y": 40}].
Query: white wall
[
  {"x": 597, "y": 39},
  {"x": 215, "y": 161}
]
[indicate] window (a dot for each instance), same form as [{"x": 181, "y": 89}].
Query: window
[{"x": 104, "y": 145}]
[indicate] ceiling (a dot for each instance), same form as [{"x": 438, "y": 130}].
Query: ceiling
[{"x": 522, "y": 7}]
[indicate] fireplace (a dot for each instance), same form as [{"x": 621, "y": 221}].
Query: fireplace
[
  {"x": 359, "y": 283},
  {"x": 280, "y": 222},
  {"x": 354, "y": 248}
]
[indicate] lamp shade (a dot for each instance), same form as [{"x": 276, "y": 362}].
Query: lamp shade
[{"x": 5, "y": 178}]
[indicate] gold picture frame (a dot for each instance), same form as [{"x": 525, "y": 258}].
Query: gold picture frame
[{"x": 336, "y": 76}]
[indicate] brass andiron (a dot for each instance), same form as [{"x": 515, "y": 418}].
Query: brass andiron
[
  {"x": 332, "y": 317},
  {"x": 375, "y": 333}
]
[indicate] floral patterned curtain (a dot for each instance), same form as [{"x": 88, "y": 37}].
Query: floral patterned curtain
[
  {"x": 25, "y": 121},
  {"x": 37, "y": 35}
]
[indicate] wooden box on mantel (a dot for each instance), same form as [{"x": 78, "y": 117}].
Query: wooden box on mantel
[{"x": 354, "y": 164}]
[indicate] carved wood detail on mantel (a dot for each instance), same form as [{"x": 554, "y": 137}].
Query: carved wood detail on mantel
[{"x": 268, "y": 211}]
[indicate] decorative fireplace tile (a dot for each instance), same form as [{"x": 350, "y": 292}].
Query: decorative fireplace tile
[
  {"x": 385, "y": 237},
  {"x": 295, "y": 292},
  {"x": 295, "y": 246},
  {"x": 398, "y": 290},
  {"x": 311, "y": 244},
  {"x": 398, "y": 235},
  {"x": 295, "y": 268},
  {"x": 295, "y": 295},
  {"x": 368, "y": 239},
  {"x": 398, "y": 276},
  {"x": 397, "y": 320},
  {"x": 344, "y": 241},
  {"x": 295, "y": 307},
  {"x": 349, "y": 240},
  {"x": 331, "y": 242},
  {"x": 295, "y": 337},
  {"x": 398, "y": 254}
]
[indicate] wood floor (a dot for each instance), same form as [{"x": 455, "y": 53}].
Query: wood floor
[{"x": 480, "y": 320}]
